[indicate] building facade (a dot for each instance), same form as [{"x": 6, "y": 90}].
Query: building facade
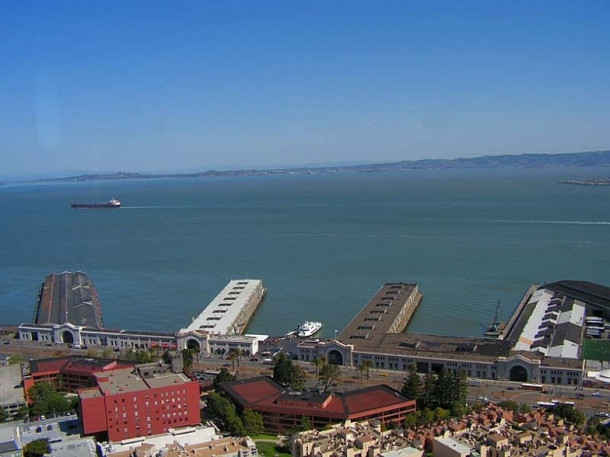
[
  {"x": 145, "y": 401},
  {"x": 283, "y": 409}
]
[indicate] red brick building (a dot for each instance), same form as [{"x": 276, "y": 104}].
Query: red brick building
[
  {"x": 283, "y": 409},
  {"x": 68, "y": 374},
  {"x": 145, "y": 401}
]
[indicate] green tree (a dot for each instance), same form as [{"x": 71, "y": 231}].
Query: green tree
[
  {"x": 361, "y": 369},
  {"x": 3, "y": 414},
  {"x": 283, "y": 369},
  {"x": 233, "y": 356},
  {"x": 224, "y": 411},
  {"x": 440, "y": 414},
  {"x": 525, "y": 408},
  {"x": 427, "y": 398},
  {"x": 425, "y": 417},
  {"x": 412, "y": 387},
  {"x": 319, "y": 362},
  {"x": 329, "y": 375},
  {"x": 223, "y": 376},
  {"x": 302, "y": 426},
  {"x": 569, "y": 413},
  {"x": 46, "y": 399},
  {"x": 510, "y": 405},
  {"x": 138, "y": 356},
  {"x": 442, "y": 388},
  {"x": 299, "y": 378},
  {"x": 367, "y": 367},
  {"x": 23, "y": 412},
  {"x": 187, "y": 359},
  {"x": 253, "y": 422},
  {"x": 36, "y": 448},
  {"x": 460, "y": 390},
  {"x": 411, "y": 420}
]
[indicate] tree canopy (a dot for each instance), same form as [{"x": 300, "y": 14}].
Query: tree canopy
[
  {"x": 36, "y": 448},
  {"x": 445, "y": 390},
  {"x": 224, "y": 411},
  {"x": 224, "y": 376},
  {"x": 287, "y": 373},
  {"x": 329, "y": 375},
  {"x": 47, "y": 400}
]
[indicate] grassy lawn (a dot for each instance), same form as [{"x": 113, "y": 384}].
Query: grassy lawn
[
  {"x": 263, "y": 436},
  {"x": 270, "y": 450},
  {"x": 596, "y": 350}
]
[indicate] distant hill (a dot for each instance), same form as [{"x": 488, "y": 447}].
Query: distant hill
[{"x": 576, "y": 159}]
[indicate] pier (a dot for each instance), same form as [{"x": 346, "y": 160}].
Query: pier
[
  {"x": 389, "y": 311},
  {"x": 231, "y": 310}
]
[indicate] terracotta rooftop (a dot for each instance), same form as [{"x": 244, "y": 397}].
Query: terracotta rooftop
[{"x": 264, "y": 393}]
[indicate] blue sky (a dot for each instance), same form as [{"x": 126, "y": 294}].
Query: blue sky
[{"x": 173, "y": 86}]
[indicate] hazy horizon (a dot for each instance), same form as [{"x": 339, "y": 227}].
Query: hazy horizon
[{"x": 159, "y": 87}]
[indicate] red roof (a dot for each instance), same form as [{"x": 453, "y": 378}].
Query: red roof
[
  {"x": 264, "y": 394},
  {"x": 75, "y": 365}
]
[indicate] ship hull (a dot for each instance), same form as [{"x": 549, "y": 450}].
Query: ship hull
[{"x": 93, "y": 205}]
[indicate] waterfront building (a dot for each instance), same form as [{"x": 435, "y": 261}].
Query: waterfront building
[
  {"x": 230, "y": 311},
  {"x": 542, "y": 341},
  {"x": 68, "y": 313},
  {"x": 283, "y": 409},
  {"x": 68, "y": 297},
  {"x": 79, "y": 337},
  {"x": 142, "y": 401},
  {"x": 389, "y": 311}
]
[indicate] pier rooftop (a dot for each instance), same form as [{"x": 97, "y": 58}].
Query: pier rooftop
[
  {"x": 229, "y": 312},
  {"x": 389, "y": 311},
  {"x": 69, "y": 298}
]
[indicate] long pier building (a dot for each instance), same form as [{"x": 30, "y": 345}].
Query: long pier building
[
  {"x": 69, "y": 312},
  {"x": 542, "y": 342},
  {"x": 389, "y": 311},
  {"x": 230, "y": 311},
  {"x": 68, "y": 297}
]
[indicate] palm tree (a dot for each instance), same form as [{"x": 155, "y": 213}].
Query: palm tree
[
  {"x": 318, "y": 362},
  {"x": 361, "y": 369},
  {"x": 367, "y": 367},
  {"x": 233, "y": 356}
]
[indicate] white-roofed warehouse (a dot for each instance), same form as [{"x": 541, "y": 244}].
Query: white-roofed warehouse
[{"x": 229, "y": 312}]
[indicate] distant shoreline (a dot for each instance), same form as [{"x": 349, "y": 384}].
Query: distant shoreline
[{"x": 592, "y": 159}]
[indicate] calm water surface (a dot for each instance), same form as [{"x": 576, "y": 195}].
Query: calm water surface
[{"x": 323, "y": 244}]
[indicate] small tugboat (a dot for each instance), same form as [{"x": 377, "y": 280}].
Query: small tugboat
[
  {"x": 308, "y": 328},
  {"x": 112, "y": 203}
]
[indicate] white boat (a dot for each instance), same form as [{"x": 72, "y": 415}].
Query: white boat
[{"x": 308, "y": 328}]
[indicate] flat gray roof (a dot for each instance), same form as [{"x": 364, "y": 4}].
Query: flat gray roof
[
  {"x": 435, "y": 346},
  {"x": 382, "y": 314},
  {"x": 69, "y": 297},
  {"x": 11, "y": 391}
]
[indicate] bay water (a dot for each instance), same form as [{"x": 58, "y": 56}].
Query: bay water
[{"x": 322, "y": 243}]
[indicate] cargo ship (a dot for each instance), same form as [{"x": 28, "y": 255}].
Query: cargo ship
[{"x": 112, "y": 203}]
